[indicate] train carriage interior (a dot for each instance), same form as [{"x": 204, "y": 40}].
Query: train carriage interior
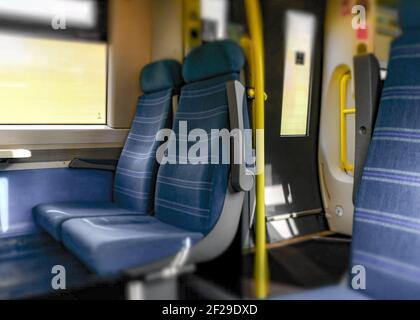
[{"x": 210, "y": 149}]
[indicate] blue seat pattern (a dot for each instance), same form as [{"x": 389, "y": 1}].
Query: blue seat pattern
[
  {"x": 189, "y": 198},
  {"x": 137, "y": 167},
  {"x": 134, "y": 180},
  {"x": 51, "y": 216},
  {"x": 192, "y": 196},
  {"x": 386, "y": 236},
  {"x": 108, "y": 244}
]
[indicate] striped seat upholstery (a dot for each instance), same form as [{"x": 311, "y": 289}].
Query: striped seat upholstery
[
  {"x": 135, "y": 177},
  {"x": 192, "y": 196},
  {"x": 189, "y": 196},
  {"x": 137, "y": 167},
  {"x": 387, "y": 217}
]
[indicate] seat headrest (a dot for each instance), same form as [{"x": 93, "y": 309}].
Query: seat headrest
[
  {"x": 161, "y": 75},
  {"x": 409, "y": 14},
  {"x": 213, "y": 59}
]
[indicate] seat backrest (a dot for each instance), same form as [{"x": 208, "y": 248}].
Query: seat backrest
[
  {"x": 386, "y": 233},
  {"x": 136, "y": 172},
  {"x": 191, "y": 196}
]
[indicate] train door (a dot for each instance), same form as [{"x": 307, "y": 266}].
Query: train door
[{"x": 293, "y": 48}]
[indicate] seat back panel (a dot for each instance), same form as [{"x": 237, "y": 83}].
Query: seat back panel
[
  {"x": 135, "y": 177},
  {"x": 386, "y": 236},
  {"x": 192, "y": 196},
  {"x": 137, "y": 167}
]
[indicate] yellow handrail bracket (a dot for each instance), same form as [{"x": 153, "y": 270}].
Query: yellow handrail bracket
[{"x": 344, "y": 112}]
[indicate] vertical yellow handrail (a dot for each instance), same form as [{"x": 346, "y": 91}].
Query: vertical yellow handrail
[
  {"x": 344, "y": 112},
  {"x": 254, "y": 18}
]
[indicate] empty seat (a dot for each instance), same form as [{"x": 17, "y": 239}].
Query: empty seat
[
  {"x": 108, "y": 244},
  {"x": 386, "y": 232},
  {"x": 197, "y": 206},
  {"x": 136, "y": 172}
]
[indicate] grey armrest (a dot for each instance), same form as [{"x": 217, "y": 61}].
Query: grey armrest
[
  {"x": 96, "y": 164},
  {"x": 241, "y": 178},
  {"x": 368, "y": 91}
]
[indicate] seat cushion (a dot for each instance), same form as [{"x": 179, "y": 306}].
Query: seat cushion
[
  {"x": 52, "y": 216},
  {"x": 326, "y": 293},
  {"x": 111, "y": 244}
]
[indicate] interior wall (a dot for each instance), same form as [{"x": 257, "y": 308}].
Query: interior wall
[
  {"x": 340, "y": 45},
  {"x": 130, "y": 43},
  {"x": 167, "y": 39}
]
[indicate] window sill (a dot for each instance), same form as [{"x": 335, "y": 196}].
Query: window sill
[{"x": 61, "y": 135}]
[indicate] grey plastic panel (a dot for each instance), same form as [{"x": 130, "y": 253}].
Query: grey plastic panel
[
  {"x": 367, "y": 95},
  {"x": 223, "y": 233},
  {"x": 242, "y": 180}
]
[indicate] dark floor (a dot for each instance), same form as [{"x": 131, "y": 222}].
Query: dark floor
[{"x": 309, "y": 264}]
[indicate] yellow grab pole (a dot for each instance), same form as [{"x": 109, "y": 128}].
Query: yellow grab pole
[{"x": 254, "y": 18}]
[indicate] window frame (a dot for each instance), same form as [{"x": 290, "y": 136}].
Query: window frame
[
  {"x": 39, "y": 29},
  {"x": 40, "y": 135},
  {"x": 62, "y": 135}
]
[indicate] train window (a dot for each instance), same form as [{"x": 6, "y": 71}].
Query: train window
[
  {"x": 57, "y": 74},
  {"x": 214, "y": 15},
  {"x": 78, "y": 13},
  {"x": 300, "y": 34},
  {"x": 44, "y": 81}
]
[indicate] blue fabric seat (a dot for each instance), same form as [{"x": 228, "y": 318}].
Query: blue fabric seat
[
  {"x": 386, "y": 230},
  {"x": 386, "y": 233},
  {"x": 135, "y": 177},
  {"x": 109, "y": 244},
  {"x": 189, "y": 198},
  {"x": 52, "y": 216}
]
